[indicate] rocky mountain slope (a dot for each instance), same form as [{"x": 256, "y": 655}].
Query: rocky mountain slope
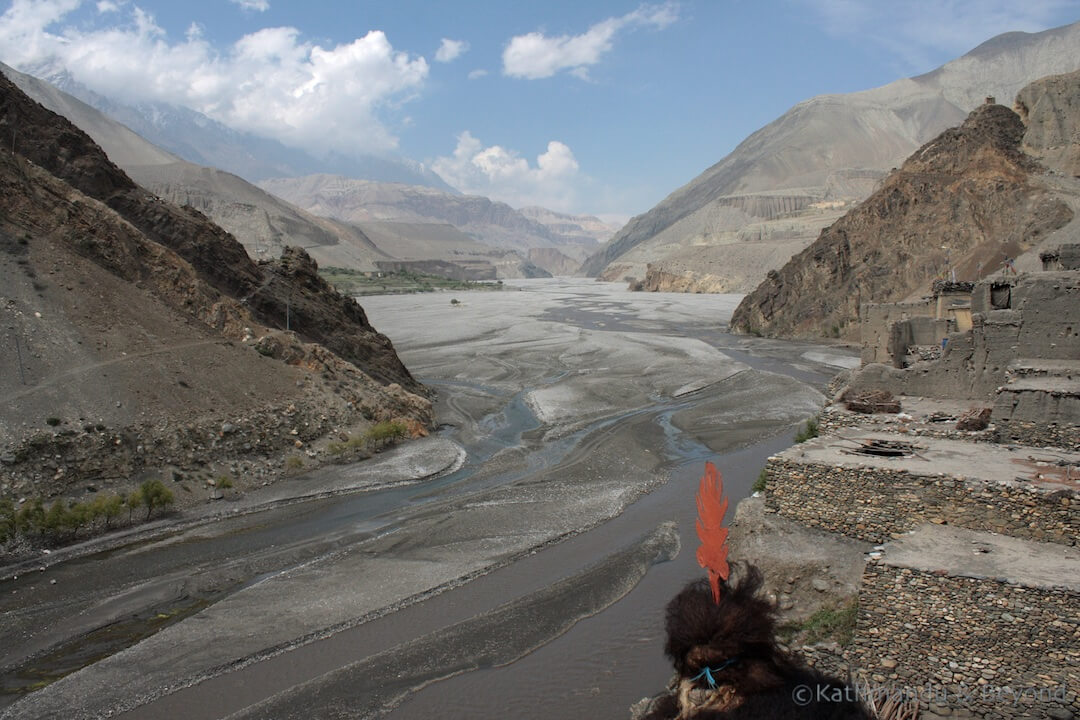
[
  {"x": 772, "y": 195},
  {"x": 263, "y": 223},
  {"x": 967, "y": 200},
  {"x": 139, "y": 336},
  {"x": 486, "y": 221}
]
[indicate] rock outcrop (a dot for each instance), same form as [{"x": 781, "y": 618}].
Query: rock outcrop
[
  {"x": 967, "y": 200},
  {"x": 1050, "y": 108}
]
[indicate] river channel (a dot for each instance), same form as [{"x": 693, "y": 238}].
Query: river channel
[{"x": 515, "y": 563}]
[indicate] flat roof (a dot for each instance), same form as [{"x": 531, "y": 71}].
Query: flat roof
[
  {"x": 1047, "y": 470},
  {"x": 960, "y": 552}
]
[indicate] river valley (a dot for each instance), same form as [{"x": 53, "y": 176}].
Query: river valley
[{"x": 516, "y": 562}]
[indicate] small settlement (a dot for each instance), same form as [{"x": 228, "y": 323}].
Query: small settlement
[{"x": 953, "y": 457}]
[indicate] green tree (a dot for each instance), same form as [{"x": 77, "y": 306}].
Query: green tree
[
  {"x": 56, "y": 519},
  {"x": 155, "y": 495},
  {"x": 78, "y": 514},
  {"x": 133, "y": 500},
  {"x": 111, "y": 507}
]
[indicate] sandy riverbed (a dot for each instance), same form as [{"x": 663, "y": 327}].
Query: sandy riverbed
[{"x": 576, "y": 403}]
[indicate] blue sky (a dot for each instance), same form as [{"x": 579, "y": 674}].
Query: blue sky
[{"x": 602, "y": 107}]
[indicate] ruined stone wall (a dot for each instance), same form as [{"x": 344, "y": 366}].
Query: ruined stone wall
[
  {"x": 1030, "y": 316},
  {"x": 876, "y": 326},
  {"x": 874, "y": 503},
  {"x": 999, "y": 650}
]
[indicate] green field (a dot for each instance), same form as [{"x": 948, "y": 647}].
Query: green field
[{"x": 355, "y": 282}]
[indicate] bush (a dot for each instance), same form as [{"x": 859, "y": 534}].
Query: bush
[
  {"x": 759, "y": 484},
  {"x": 294, "y": 462},
  {"x": 55, "y": 519},
  {"x": 387, "y": 430},
  {"x": 8, "y": 526},
  {"x": 833, "y": 622},
  {"x": 809, "y": 431},
  {"x": 78, "y": 515}
]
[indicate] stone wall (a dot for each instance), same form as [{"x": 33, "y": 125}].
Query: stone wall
[
  {"x": 1030, "y": 316},
  {"x": 874, "y": 503},
  {"x": 999, "y": 650},
  {"x": 876, "y": 321},
  {"x": 1039, "y": 434}
]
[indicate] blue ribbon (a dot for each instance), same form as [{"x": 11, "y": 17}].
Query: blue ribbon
[{"x": 707, "y": 672}]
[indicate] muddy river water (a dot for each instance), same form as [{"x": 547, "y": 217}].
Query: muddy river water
[{"x": 514, "y": 564}]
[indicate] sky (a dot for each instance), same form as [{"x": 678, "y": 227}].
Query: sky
[{"x": 600, "y": 107}]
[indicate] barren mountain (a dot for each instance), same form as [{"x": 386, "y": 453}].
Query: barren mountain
[
  {"x": 968, "y": 200},
  {"x": 554, "y": 261},
  {"x": 141, "y": 336},
  {"x": 585, "y": 230},
  {"x": 773, "y": 194},
  {"x": 490, "y": 222},
  {"x": 263, "y": 223}
]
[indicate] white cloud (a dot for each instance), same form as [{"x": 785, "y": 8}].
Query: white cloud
[
  {"x": 450, "y": 50},
  {"x": 107, "y": 6},
  {"x": 536, "y": 55},
  {"x": 477, "y": 74},
  {"x": 920, "y": 32},
  {"x": 271, "y": 82},
  {"x": 257, "y": 5},
  {"x": 503, "y": 174}
]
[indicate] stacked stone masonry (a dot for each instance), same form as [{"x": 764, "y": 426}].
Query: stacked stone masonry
[
  {"x": 874, "y": 504},
  {"x": 999, "y": 650},
  {"x": 1038, "y": 434}
]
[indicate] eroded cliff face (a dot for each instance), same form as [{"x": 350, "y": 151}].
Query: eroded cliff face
[
  {"x": 966, "y": 199},
  {"x": 688, "y": 281},
  {"x": 1050, "y": 108}
]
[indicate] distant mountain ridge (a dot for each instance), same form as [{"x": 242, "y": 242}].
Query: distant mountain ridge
[
  {"x": 264, "y": 224},
  {"x": 724, "y": 230},
  {"x": 487, "y": 221},
  {"x": 204, "y": 141},
  {"x": 401, "y": 222}
]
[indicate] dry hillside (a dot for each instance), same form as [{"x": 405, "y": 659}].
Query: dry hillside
[{"x": 139, "y": 337}]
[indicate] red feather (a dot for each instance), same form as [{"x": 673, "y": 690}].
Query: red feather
[{"x": 712, "y": 505}]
